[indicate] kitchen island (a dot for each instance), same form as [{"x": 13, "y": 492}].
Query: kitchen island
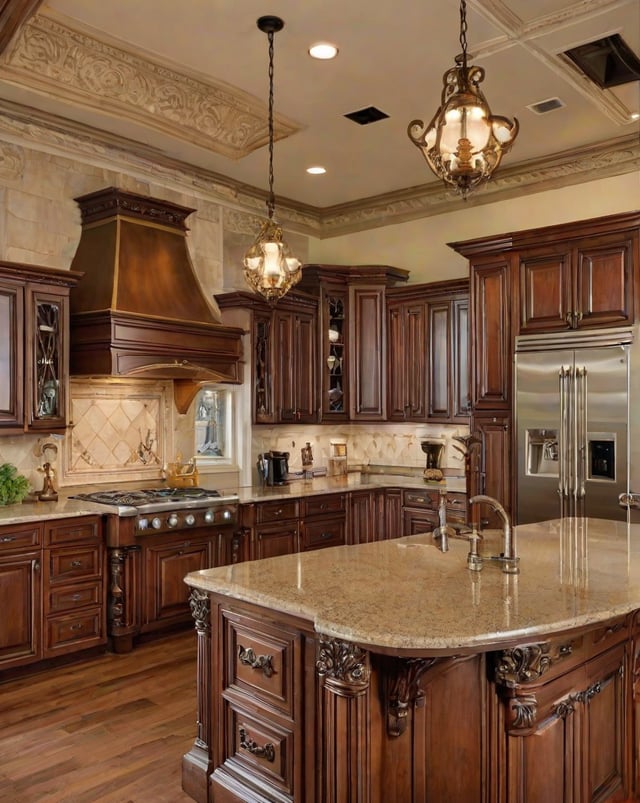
[{"x": 388, "y": 672}]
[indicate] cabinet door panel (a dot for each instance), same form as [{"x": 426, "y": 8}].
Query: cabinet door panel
[
  {"x": 491, "y": 466},
  {"x": 11, "y": 356},
  {"x": 461, "y": 397},
  {"x": 166, "y": 567},
  {"x": 367, "y": 350},
  {"x": 47, "y": 356},
  {"x": 439, "y": 361},
  {"x": 20, "y": 603},
  {"x": 418, "y": 521},
  {"x": 396, "y": 368},
  {"x": 366, "y": 517},
  {"x": 306, "y": 356},
  {"x": 269, "y": 542},
  {"x": 604, "y": 281},
  {"x": 491, "y": 335},
  {"x": 545, "y": 290}
]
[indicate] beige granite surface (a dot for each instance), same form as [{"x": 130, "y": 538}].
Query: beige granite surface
[
  {"x": 65, "y": 507},
  {"x": 406, "y": 595}
]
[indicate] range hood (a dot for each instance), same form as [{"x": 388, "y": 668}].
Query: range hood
[{"x": 139, "y": 310}]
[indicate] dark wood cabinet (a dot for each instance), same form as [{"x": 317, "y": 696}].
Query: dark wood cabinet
[
  {"x": 366, "y": 516},
  {"x": 576, "y": 284},
  {"x": 368, "y": 396},
  {"x": 393, "y": 513},
  {"x": 334, "y": 352},
  {"x": 20, "y": 601},
  {"x": 491, "y": 333},
  {"x": 406, "y": 360},
  {"x": 323, "y": 521},
  {"x": 295, "y": 366},
  {"x": 52, "y": 589},
  {"x": 34, "y": 347},
  {"x": 490, "y": 465}
]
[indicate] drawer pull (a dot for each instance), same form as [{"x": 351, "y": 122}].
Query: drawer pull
[
  {"x": 6, "y": 539},
  {"x": 76, "y": 597},
  {"x": 76, "y": 564},
  {"x": 78, "y": 626},
  {"x": 277, "y": 512},
  {"x": 268, "y": 751},
  {"x": 247, "y": 657},
  {"x": 326, "y": 535}
]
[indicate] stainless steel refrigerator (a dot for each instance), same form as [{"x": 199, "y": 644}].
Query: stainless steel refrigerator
[{"x": 577, "y": 418}]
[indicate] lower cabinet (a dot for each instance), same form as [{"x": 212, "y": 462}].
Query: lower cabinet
[
  {"x": 271, "y": 527},
  {"x": 52, "y": 589},
  {"x": 490, "y": 465},
  {"x": 323, "y": 521},
  {"x": 366, "y": 516}
]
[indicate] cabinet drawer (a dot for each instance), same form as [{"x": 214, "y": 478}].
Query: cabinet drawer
[
  {"x": 321, "y": 505},
  {"x": 74, "y": 563},
  {"x": 421, "y": 499},
  {"x": 74, "y": 631},
  {"x": 260, "y": 661},
  {"x": 318, "y": 534},
  {"x": 608, "y": 635},
  {"x": 264, "y": 749},
  {"x": 19, "y": 537},
  {"x": 69, "y": 598},
  {"x": 67, "y": 531},
  {"x": 275, "y": 511}
]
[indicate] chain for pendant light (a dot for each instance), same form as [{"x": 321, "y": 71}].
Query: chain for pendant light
[{"x": 271, "y": 204}]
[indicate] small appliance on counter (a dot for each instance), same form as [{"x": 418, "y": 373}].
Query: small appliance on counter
[
  {"x": 273, "y": 468},
  {"x": 433, "y": 450},
  {"x": 338, "y": 459}
]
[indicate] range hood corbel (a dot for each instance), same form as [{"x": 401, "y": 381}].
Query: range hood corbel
[{"x": 139, "y": 310}]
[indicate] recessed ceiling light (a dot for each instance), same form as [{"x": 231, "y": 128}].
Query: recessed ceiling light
[
  {"x": 323, "y": 50},
  {"x": 635, "y": 116},
  {"x": 316, "y": 171}
]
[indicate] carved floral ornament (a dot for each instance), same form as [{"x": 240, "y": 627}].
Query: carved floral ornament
[
  {"x": 77, "y": 67},
  {"x": 343, "y": 662}
]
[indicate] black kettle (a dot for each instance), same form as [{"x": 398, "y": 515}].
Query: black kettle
[{"x": 273, "y": 467}]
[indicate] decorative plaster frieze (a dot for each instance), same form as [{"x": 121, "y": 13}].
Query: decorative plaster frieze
[{"x": 71, "y": 65}]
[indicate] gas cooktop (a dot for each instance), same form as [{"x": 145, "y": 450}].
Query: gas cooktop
[{"x": 150, "y": 500}]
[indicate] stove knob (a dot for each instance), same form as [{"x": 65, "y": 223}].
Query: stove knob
[
  {"x": 189, "y": 519},
  {"x": 172, "y": 521},
  {"x": 226, "y": 515},
  {"x": 143, "y": 524},
  {"x": 209, "y": 516},
  {"x": 156, "y": 523}
]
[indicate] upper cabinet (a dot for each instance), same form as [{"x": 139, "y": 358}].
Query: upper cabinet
[
  {"x": 427, "y": 366},
  {"x": 34, "y": 347},
  {"x": 285, "y": 348},
  {"x": 577, "y": 284},
  {"x": 352, "y": 360}
]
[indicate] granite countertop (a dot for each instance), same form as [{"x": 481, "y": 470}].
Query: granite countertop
[
  {"x": 406, "y": 595},
  {"x": 66, "y": 507}
]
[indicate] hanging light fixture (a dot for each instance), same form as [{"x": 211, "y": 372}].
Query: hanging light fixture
[
  {"x": 464, "y": 143},
  {"x": 269, "y": 266}
]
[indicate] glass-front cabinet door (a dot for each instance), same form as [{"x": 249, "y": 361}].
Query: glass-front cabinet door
[
  {"x": 46, "y": 360},
  {"x": 11, "y": 355},
  {"x": 334, "y": 366}
]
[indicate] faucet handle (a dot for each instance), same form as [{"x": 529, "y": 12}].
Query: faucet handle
[{"x": 474, "y": 560}]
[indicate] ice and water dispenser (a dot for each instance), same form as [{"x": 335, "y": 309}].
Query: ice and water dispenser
[{"x": 543, "y": 454}]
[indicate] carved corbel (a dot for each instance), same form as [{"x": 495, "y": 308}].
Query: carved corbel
[
  {"x": 403, "y": 690},
  {"x": 343, "y": 665},
  {"x": 527, "y": 663},
  {"x": 522, "y": 712}
]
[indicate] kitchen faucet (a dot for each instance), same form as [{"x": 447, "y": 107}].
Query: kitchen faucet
[
  {"x": 443, "y": 531},
  {"x": 507, "y": 558}
]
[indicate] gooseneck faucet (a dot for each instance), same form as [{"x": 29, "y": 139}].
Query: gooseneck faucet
[{"x": 508, "y": 558}]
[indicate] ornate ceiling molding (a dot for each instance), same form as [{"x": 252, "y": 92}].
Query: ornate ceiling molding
[
  {"x": 244, "y": 205},
  {"x": 13, "y": 14},
  {"x": 75, "y": 67}
]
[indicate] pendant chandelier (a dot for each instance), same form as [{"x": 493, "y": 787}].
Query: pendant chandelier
[
  {"x": 464, "y": 143},
  {"x": 269, "y": 267}
]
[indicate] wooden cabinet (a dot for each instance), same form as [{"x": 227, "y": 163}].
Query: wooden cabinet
[
  {"x": 491, "y": 465},
  {"x": 393, "y": 513},
  {"x": 322, "y": 521},
  {"x": 368, "y": 396},
  {"x": 366, "y": 516},
  {"x": 52, "y": 589},
  {"x": 271, "y": 528},
  {"x": 334, "y": 353},
  {"x": 34, "y": 347},
  {"x": 20, "y": 595},
  {"x": 427, "y": 348},
  {"x": 419, "y": 512},
  {"x": 295, "y": 366},
  {"x": 406, "y": 360},
  {"x": 576, "y": 284}
]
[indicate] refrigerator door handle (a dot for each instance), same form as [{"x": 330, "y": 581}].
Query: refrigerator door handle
[
  {"x": 581, "y": 425},
  {"x": 563, "y": 485},
  {"x": 629, "y": 500}
]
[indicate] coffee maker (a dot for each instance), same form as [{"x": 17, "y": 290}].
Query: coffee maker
[
  {"x": 273, "y": 467},
  {"x": 433, "y": 450}
]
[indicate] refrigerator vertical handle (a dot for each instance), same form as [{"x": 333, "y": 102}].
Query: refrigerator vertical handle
[
  {"x": 563, "y": 437},
  {"x": 581, "y": 446}
]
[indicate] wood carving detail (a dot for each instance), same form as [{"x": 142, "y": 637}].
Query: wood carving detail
[
  {"x": 200, "y": 605},
  {"x": 527, "y": 663},
  {"x": 343, "y": 663},
  {"x": 523, "y": 711},
  {"x": 247, "y": 657},
  {"x": 403, "y": 690}
]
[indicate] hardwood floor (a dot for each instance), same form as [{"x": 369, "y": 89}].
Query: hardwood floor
[{"x": 111, "y": 729}]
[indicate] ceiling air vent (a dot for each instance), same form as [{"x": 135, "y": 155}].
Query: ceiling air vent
[
  {"x": 367, "y": 115},
  {"x": 545, "y": 106},
  {"x": 608, "y": 62}
]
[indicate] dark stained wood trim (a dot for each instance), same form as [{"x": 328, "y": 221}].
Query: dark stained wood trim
[{"x": 13, "y": 15}]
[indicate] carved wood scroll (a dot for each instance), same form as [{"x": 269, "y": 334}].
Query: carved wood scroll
[{"x": 403, "y": 689}]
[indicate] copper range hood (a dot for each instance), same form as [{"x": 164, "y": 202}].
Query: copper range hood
[{"x": 139, "y": 310}]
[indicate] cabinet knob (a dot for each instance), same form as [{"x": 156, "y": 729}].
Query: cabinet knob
[
  {"x": 7, "y": 539},
  {"x": 76, "y": 564}
]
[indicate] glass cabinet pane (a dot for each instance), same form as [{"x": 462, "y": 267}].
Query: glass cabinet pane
[
  {"x": 334, "y": 402},
  {"x": 47, "y": 348},
  {"x": 11, "y": 336}
]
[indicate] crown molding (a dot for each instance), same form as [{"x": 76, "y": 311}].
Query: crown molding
[
  {"x": 244, "y": 206},
  {"x": 71, "y": 65}
]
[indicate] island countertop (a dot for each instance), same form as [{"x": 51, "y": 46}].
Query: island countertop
[{"x": 405, "y": 595}]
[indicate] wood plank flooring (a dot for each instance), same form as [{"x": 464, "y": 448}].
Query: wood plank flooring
[{"x": 111, "y": 729}]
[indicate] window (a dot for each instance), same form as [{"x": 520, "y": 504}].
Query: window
[{"x": 213, "y": 425}]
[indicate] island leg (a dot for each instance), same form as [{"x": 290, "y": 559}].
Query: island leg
[
  {"x": 197, "y": 764},
  {"x": 344, "y": 691}
]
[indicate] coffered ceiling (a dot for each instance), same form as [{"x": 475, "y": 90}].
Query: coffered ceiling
[{"x": 188, "y": 82}]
